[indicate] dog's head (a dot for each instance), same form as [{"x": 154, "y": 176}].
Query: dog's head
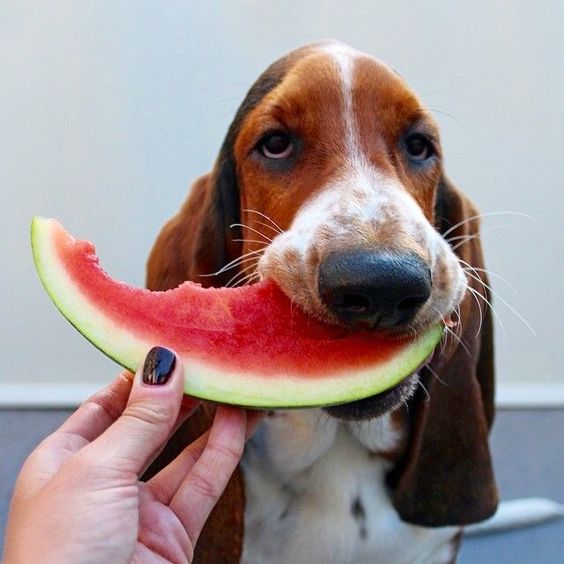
[
  {"x": 346, "y": 162},
  {"x": 330, "y": 181}
]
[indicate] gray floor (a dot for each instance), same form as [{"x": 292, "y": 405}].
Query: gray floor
[{"x": 529, "y": 456}]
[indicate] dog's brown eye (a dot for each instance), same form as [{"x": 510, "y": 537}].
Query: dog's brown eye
[
  {"x": 419, "y": 147},
  {"x": 276, "y": 145}
]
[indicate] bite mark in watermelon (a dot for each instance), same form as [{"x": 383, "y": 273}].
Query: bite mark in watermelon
[{"x": 245, "y": 346}]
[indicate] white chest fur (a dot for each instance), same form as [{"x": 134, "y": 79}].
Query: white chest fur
[{"x": 316, "y": 494}]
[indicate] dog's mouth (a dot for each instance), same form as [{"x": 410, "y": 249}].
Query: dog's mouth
[
  {"x": 377, "y": 405},
  {"x": 384, "y": 402},
  {"x": 389, "y": 400}
]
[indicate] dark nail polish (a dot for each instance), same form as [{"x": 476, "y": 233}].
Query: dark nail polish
[{"x": 158, "y": 366}]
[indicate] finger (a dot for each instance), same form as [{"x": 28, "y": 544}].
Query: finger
[
  {"x": 166, "y": 482},
  {"x": 187, "y": 407},
  {"x": 200, "y": 490},
  {"x": 148, "y": 418},
  {"x": 100, "y": 410}
]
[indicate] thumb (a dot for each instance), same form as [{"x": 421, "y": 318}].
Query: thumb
[{"x": 149, "y": 416}]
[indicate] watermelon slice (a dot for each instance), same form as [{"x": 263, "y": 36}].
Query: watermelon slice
[{"x": 247, "y": 346}]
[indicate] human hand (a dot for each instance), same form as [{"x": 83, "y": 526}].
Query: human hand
[{"x": 79, "y": 499}]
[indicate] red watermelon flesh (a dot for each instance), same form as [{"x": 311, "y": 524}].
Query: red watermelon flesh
[{"x": 246, "y": 346}]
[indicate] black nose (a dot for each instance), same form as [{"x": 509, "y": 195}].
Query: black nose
[{"x": 367, "y": 289}]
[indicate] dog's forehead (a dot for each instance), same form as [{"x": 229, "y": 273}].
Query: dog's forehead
[
  {"x": 318, "y": 77},
  {"x": 309, "y": 80},
  {"x": 333, "y": 63}
]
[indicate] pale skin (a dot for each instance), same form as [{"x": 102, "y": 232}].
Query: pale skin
[{"x": 79, "y": 499}]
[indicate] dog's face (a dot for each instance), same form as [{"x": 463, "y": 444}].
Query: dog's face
[
  {"x": 344, "y": 160},
  {"x": 331, "y": 176}
]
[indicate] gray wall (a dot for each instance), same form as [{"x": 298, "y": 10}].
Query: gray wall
[{"x": 109, "y": 109}]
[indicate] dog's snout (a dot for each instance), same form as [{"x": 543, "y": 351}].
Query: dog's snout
[{"x": 368, "y": 289}]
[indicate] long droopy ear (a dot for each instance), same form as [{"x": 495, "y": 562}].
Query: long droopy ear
[
  {"x": 198, "y": 240},
  {"x": 446, "y": 475}
]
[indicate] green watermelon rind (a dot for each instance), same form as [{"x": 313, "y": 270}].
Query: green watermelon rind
[{"x": 206, "y": 381}]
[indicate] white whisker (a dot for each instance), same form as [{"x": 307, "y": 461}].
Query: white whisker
[
  {"x": 479, "y": 279},
  {"x": 248, "y": 259},
  {"x": 482, "y": 215},
  {"x": 494, "y": 312},
  {"x": 480, "y": 311},
  {"x": 438, "y": 110},
  {"x": 251, "y": 229},
  {"x": 241, "y": 275},
  {"x": 458, "y": 313},
  {"x": 459, "y": 237},
  {"x": 466, "y": 238},
  {"x": 275, "y": 229},
  {"x": 450, "y": 333},
  {"x": 462, "y": 243},
  {"x": 264, "y": 243},
  {"x": 425, "y": 389},
  {"x": 503, "y": 301},
  {"x": 234, "y": 263},
  {"x": 458, "y": 339},
  {"x": 488, "y": 273},
  {"x": 265, "y": 217},
  {"x": 436, "y": 375},
  {"x": 246, "y": 279}
]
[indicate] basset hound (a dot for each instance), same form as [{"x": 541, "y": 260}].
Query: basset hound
[{"x": 330, "y": 181}]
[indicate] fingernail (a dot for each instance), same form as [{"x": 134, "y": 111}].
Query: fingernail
[{"x": 158, "y": 366}]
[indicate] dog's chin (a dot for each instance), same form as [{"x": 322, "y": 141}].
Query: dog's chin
[{"x": 377, "y": 405}]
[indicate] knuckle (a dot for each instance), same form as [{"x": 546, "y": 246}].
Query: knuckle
[
  {"x": 100, "y": 406},
  {"x": 204, "y": 486},
  {"x": 149, "y": 413},
  {"x": 229, "y": 453},
  {"x": 159, "y": 492}
]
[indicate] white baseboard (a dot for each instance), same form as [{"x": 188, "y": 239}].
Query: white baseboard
[
  {"x": 49, "y": 396},
  {"x": 62, "y": 395},
  {"x": 513, "y": 395},
  {"x": 516, "y": 513}
]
